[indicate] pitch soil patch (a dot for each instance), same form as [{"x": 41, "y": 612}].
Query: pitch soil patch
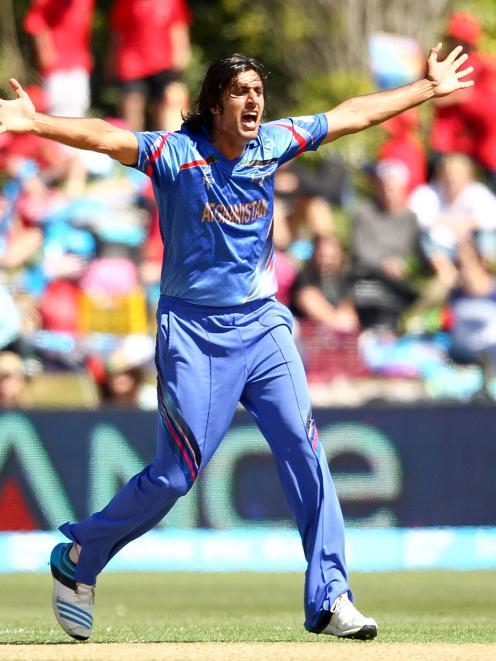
[{"x": 347, "y": 651}]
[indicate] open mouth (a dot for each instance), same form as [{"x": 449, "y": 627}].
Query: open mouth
[{"x": 249, "y": 120}]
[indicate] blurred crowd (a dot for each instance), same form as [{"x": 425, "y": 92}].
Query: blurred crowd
[{"x": 391, "y": 282}]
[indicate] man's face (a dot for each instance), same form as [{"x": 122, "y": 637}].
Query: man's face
[
  {"x": 455, "y": 175},
  {"x": 392, "y": 192},
  {"x": 243, "y": 106},
  {"x": 328, "y": 255}
]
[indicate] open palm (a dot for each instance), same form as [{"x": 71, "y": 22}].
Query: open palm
[
  {"x": 445, "y": 74},
  {"x": 17, "y": 114}
]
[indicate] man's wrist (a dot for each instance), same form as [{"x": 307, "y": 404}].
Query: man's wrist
[
  {"x": 429, "y": 88},
  {"x": 38, "y": 123}
]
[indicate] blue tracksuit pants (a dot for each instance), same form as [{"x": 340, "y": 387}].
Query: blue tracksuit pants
[{"x": 209, "y": 359}]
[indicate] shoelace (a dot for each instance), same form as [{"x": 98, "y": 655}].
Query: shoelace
[
  {"x": 347, "y": 611},
  {"x": 338, "y": 602}
]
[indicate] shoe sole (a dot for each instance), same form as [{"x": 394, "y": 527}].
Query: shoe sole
[{"x": 365, "y": 633}]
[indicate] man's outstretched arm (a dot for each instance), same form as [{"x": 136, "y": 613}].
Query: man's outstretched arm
[
  {"x": 360, "y": 112},
  {"x": 19, "y": 116}
]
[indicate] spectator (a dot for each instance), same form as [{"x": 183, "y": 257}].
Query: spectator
[
  {"x": 18, "y": 245},
  {"x": 12, "y": 381},
  {"x": 403, "y": 143},
  {"x": 384, "y": 237},
  {"x": 320, "y": 291},
  {"x": 286, "y": 272},
  {"x": 10, "y": 320},
  {"x": 473, "y": 313},
  {"x": 453, "y": 208},
  {"x": 149, "y": 49},
  {"x": 480, "y": 112},
  {"x": 61, "y": 33},
  {"x": 465, "y": 122},
  {"x": 56, "y": 163},
  {"x": 301, "y": 212},
  {"x": 124, "y": 382}
]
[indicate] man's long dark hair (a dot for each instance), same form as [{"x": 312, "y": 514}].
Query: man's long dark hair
[{"x": 217, "y": 81}]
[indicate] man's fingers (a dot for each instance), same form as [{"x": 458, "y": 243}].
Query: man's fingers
[
  {"x": 465, "y": 72},
  {"x": 457, "y": 63},
  {"x": 454, "y": 54},
  {"x": 465, "y": 83},
  {"x": 16, "y": 86},
  {"x": 435, "y": 50}
]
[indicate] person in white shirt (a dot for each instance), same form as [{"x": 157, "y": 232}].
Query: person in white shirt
[{"x": 454, "y": 208}]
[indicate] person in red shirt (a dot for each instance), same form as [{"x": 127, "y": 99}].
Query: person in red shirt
[
  {"x": 403, "y": 143},
  {"x": 150, "y": 47},
  {"x": 61, "y": 30},
  {"x": 466, "y": 123},
  {"x": 479, "y": 111}
]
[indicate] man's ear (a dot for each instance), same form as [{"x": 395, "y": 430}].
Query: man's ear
[{"x": 216, "y": 110}]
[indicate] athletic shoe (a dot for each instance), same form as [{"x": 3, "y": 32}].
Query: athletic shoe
[
  {"x": 72, "y": 602},
  {"x": 347, "y": 622}
]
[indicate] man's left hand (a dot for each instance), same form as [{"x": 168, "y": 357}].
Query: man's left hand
[{"x": 445, "y": 74}]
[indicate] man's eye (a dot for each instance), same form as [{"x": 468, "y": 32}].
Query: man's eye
[{"x": 244, "y": 91}]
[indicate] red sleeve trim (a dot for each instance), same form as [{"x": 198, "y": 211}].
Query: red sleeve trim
[
  {"x": 297, "y": 136},
  {"x": 193, "y": 164},
  {"x": 157, "y": 153}
]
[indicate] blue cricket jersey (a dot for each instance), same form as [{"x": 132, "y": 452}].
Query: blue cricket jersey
[{"x": 216, "y": 214}]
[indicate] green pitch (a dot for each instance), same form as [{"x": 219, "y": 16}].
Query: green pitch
[{"x": 160, "y": 607}]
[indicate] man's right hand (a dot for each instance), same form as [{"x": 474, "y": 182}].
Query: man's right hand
[{"x": 17, "y": 115}]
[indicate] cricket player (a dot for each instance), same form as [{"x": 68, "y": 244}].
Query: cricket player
[{"x": 222, "y": 337}]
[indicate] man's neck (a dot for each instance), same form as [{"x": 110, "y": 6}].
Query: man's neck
[{"x": 231, "y": 149}]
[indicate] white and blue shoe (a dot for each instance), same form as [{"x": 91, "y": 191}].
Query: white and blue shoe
[
  {"x": 72, "y": 602},
  {"x": 347, "y": 622}
]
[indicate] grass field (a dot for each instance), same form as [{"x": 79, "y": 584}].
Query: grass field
[{"x": 256, "y": 609}]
